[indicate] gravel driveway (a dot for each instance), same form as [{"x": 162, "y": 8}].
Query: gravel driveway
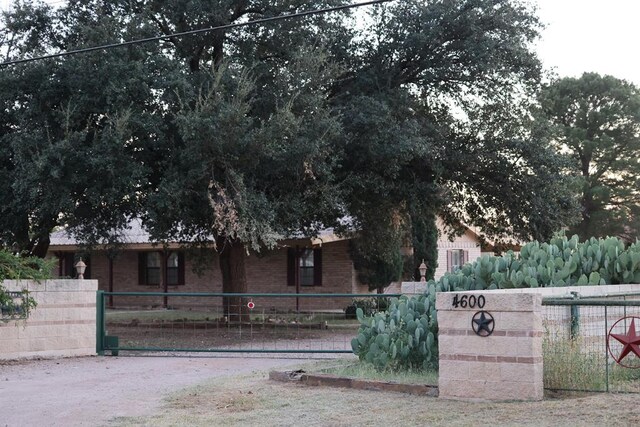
[{"x": 90, "y": 391}]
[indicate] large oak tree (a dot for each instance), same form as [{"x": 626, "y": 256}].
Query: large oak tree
[{"x": 243, "y": 136}]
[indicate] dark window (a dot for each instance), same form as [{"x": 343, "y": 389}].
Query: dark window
[
  {"x": 150, "y": 268},
  {"x": 153, "y": 267},
  {"x": 304, "y": 265},
  {"x": 173, "y": 269}
]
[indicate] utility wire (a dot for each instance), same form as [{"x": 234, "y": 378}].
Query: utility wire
[{"x": 202, "y": 30}]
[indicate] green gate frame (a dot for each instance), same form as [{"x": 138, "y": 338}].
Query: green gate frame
[{"x": 110, "y": 343}]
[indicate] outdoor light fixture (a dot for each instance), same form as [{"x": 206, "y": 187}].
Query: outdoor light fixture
[
  {"x": 80, "y": 268},
  {"x": 423, "y": 271}
]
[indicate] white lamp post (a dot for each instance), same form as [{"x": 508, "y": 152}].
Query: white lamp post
[
  {"x": 80, "y": 268},
  {"x": 423, "y": 271}
]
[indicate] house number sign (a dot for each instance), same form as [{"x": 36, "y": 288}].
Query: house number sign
[{"x": 468, "y": 301}]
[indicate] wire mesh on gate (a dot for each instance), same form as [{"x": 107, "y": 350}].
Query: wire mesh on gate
[
  {"x": 584, "y": 344},
  {"x": 14, "y": 306},
  {"x": 253, "y": 323}
]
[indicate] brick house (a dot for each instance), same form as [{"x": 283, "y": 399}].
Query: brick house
[
  {"x": 321, "y": 265},
  {"x": 453, "y": 254}
]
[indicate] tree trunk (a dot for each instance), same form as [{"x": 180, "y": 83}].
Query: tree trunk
[
  {"x": 234, "y": 280},
  {"x": 40, "y": 247}
]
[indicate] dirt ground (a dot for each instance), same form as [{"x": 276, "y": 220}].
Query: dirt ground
[
  {"x": 91, "y": 391},
  {"x": 206, "y": 390},
  {"x": 256, "y": 401}
]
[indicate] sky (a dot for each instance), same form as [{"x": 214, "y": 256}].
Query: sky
[
  {"x": 580, "y": 36},
  {"x": 591, "y": 35}
]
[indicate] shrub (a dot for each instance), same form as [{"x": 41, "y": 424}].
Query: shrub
[
  {"x": 13, "y": 267},
  {"x": 369, "y": 306},
  {"x": 400, "y": 338},
  {"x": 567, "y": 367}
]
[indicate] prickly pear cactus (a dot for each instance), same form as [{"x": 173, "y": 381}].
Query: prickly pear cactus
[{"x": 405, "y": 336}]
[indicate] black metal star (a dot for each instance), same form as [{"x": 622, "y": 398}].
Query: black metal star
[{"x": 482, "y": 323}]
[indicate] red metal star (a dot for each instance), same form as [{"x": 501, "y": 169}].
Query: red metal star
[{"x": 630, "y": 341}]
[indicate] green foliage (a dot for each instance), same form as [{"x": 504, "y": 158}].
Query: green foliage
[
  {"x": 74, "y": 131},
  {"x": 425, "y": 243},
  {"x": 402, "y": 338},
  {"x": 376, "y": 254},
  {"x": 13, "y": 267},
  {"x": 369, "y": 306},
  {"x": 255, "y": 133},
  {"x": 597, "y": 123},
  {"x": 561, "y": 262}
]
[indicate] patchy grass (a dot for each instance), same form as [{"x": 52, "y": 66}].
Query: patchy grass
[
  {"x": 185, "y": 329},
  {"x": 567, "y": 366},
  {"x": 162, "y": 315},
  {"x": 254, "y": 400},
  {"x": 571, "y": 365},
  {"x": 357, "y": 369}
]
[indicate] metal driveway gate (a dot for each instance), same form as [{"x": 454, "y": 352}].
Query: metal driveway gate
[
  {"x": 592, "y": 344},
  {"x": 230, "y": 323}
]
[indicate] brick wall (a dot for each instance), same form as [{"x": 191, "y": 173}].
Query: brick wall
[
  {"x": 62, "y": 325},
  {"x": 266, "y": 273}
]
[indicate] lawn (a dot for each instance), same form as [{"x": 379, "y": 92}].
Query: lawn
[{"x": 254, "y": 400}]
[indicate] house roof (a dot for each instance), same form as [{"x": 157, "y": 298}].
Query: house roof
[
  {"x": 134, "y": 233},
  {"x": 486, "y": 244},
  {"x": 136, "y": 236}
]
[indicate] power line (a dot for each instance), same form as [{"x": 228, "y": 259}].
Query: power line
[{"x": 202, "y": 30}]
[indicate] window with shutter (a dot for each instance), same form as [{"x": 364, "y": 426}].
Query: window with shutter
[
  {"x": 150, "y": 268},
  {"x": 456, "y": 259},
  {"x": 304, "y": 265},
  {"x": 172, "y": 269}
]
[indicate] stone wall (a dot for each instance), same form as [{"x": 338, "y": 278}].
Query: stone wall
[{"x": 62, "y": 325}]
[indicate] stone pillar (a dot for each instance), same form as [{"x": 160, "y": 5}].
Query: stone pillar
[
  {"x": 490, "y": 346},
  {"x": 62, "y": 325},
  {"x": 413, "y": 288}
]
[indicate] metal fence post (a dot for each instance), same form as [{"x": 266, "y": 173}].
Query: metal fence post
[
  {"x": 100, "y": 323},
  {"x": 606, "y": 350},
  {"x": 575, "y": 322}
]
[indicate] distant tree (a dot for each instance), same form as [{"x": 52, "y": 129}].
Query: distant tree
[{"x": 597, "y": 123}]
